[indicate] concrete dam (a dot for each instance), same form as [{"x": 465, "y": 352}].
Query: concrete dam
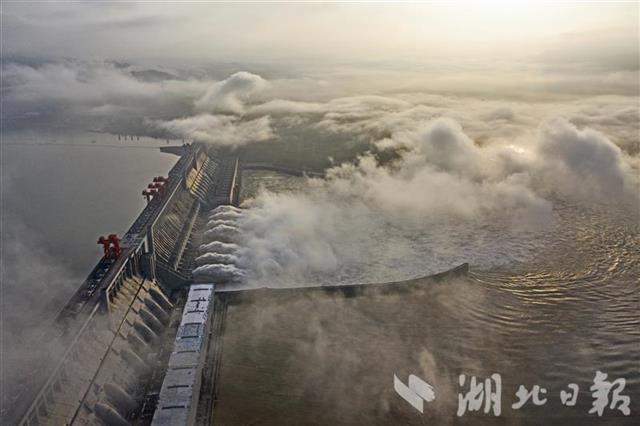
[{"x": 146, "y": 343}]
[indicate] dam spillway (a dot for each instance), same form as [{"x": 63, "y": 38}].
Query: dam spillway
[{"x": 132, "y": 352}]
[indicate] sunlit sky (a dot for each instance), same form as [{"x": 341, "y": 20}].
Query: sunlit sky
[{"x": 321, "y": 31}]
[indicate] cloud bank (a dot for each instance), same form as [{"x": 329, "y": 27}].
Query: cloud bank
[
  {"x": 191, "y": 104},
  {"x": 123, "y": 99}
]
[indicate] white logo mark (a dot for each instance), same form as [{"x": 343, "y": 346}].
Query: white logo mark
[{"x": 416, "y": 393}]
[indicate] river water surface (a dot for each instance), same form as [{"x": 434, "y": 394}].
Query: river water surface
[{"x": 549, "y": 309}]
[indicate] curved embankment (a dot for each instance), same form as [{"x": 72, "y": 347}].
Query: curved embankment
[{"x": 351, "y": 290}]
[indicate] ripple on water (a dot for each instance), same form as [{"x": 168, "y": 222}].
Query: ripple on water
[{"x": 581, "y": 306}]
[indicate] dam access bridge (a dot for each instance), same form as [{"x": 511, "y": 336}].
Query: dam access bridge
[{"x": 141, "y": 343}]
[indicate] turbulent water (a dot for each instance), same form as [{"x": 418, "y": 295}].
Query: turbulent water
[{"x": 549, "y": 308}]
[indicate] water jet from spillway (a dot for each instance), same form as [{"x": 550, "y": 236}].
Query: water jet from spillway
[
  {"x": 215, "y": 222},
  {"x": 229, "y": 215},
  {"x": 219, "y": 247},
  {"x": 218, "y": 272},
  {"x": 223, "y": 233},
  {"x": 211, "y": 258}
]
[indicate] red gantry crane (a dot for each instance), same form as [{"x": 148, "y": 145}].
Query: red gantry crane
[{"x": 110, "y": 246}]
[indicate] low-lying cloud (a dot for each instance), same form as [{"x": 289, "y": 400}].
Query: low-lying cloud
[
  {"x": 584, "y": 163},
  {"x": 228, "y": 96},
  {"x": 120, "y": 98},
  {"x": 216, "y": 129}
]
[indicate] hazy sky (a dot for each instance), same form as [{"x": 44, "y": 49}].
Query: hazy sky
[{"x": 201, "y": 33}]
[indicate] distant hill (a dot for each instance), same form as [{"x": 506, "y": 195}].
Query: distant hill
[{"x": 152, "y": 76}]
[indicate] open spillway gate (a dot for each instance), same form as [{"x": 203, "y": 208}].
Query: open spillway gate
[{"x": 114, "y": 328}]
